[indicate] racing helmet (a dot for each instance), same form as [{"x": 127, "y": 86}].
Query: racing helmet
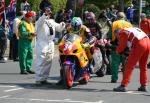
[
  {"x": 76, "y": 24},
  {"x": 90, "y": 17}
]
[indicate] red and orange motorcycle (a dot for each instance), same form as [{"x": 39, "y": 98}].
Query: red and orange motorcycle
[{"x": 76, "y": 61}]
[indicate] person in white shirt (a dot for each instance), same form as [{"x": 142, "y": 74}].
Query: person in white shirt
[
  {"x": 16, "y": 21},
  {"x": 25, "y": 6},
  {"x": 45, "y": 29}
]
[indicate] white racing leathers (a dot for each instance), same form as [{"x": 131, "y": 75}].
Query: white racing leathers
[{"x": 45, "y": 46}]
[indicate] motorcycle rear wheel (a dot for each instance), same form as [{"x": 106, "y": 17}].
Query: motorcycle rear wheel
[{"x": 102, "y": 71}]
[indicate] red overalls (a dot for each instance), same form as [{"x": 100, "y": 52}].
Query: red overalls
[
  {"x": 139, "y": 52},
  {"x": 145, "y": 25}
]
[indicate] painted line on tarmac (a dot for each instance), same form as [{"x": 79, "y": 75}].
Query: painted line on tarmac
[
  {"x": 130, "y": 92},
  {"x": 49, "y": 100},
  {"x": 4, "y": 97},
  {"x": 15, "y": 89},
  {"x": 2, "y": 86}
]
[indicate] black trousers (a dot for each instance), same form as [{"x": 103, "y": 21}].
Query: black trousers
[
  {"x": 15, "y": 47},
  {"x": 3, "y": 47},
  {"x": 11, "y": 50}
]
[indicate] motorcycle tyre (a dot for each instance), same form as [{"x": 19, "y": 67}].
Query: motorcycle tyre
[
  {"x": 102, "y": 71},
  {"x": 67, "y": 77}
]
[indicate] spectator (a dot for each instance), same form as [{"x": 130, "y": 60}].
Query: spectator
[
  {"x": 68, "y": 16},
  {"x": 3, "y": 41},
  {"x": 84, "y": 16},
  {"x": 130, "y": 13},
  {"x": 111, "y": 13},
  {"x": 25, "y": 6},
  {"x": 139, "y": 45},
  {"x": 60, "y": 16},
  {"x": 25, "y": 49},
  {"x": 45, "y": 28},
  {"x": 44, "y": 4},
  {"x": 59, "y": 19},
  {"x": 16, "y": 21},
  {"x": 145, "y": 26},
  {"x": 9, "y": 36}
]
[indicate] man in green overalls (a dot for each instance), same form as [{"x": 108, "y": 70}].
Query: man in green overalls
[
  {"x": 116, "y": 58},
  {"x": 25, "y": 49}
]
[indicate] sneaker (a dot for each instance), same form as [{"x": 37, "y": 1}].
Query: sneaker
[
  {"x": 2, "y": 60},
  {"x": 31, "y": 72},
  {"x": 148, "y": 65},
  {"x": 41, "y": 83},
  {"x": 24, "y": 72},
  {"x": 15, "y": 60},
  {"x": 142, "y": 89},
  {"x": 38, "y": 83},
  {"x": 120, "y": 88},
  {"x": 45, "y": 82},
  {"x": 60, "y": 82}
]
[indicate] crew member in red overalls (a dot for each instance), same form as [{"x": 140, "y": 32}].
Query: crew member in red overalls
[
  {"x": 145, "y": 26},
  {"x": 139, "y": 45}
]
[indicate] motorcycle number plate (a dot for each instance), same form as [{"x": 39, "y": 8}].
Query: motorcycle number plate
[{"x": 68, "y": 45}]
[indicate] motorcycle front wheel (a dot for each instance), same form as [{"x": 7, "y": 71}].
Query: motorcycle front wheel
[{"x": 67, "y": 76}]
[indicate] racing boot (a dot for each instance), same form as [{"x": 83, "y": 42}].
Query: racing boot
[
  {"x": 142, "y": 88},
  {"x": 148, "y": 65},
  {"x": 120, "y": 88},
  {"x": 91, "y": 68}
]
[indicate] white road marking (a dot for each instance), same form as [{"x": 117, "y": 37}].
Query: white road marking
[
  {"x": 49, "y": 100},
  {"x": 130, "y": 92},
  {"x": 13, "y": 89},
  {"x": 4, "y": 86},
  {"x": 4, "y": 96}
]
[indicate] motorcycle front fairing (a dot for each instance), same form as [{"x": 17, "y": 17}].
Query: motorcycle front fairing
[
  {"x": 70, "y": 48},
  {"x": 71, "y": 52}
]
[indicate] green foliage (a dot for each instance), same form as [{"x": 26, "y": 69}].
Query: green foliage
[
  {"x": 57, "y": 4},
  {"x": 102, "y": 4},
  {"x": 93, "y": 8},
  {"x": 7, "y": 2}
]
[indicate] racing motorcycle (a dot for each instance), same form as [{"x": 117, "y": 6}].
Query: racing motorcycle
[{"x": 75, "y": 63}]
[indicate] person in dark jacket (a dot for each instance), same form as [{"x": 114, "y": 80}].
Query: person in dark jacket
[
  {"x": 25, "y": 6},
  {"x": 60, "y": 16},
  {"x": 130, "y": 13},
  {"x": 3, "y": 41},
  {"x": 45, "y": 3}
]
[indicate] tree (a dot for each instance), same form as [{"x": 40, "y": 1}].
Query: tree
[
  {"x": 121, "y": 5},
  {"x": 57, "y": 4},
  {"x": 75, "y": 6}
]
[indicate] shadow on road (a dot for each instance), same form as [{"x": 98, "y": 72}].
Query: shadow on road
[
  {"x": 52, "y": 86},
  {"x": 9, "y": 74}
]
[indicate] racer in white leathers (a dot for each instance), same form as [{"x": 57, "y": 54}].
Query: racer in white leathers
[{"x": 45, "y": 29}]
